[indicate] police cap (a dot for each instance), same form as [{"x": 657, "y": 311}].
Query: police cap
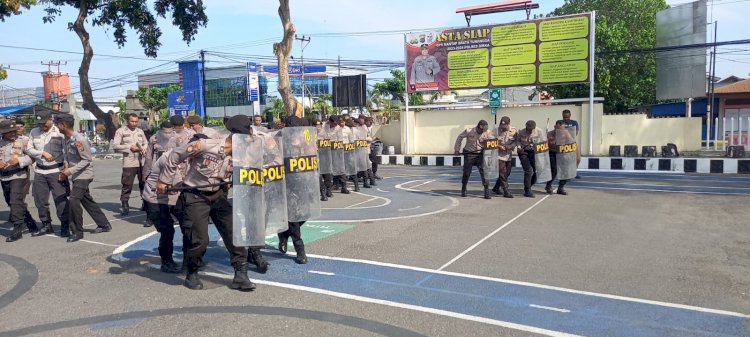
[
  {"x": 7, "y": 125},
  {"x": 177, "y": 120},
  {"x": 239, "y": 124},
  {"x": 43, "y": 116},
  {"x": 192, "y": 120}
]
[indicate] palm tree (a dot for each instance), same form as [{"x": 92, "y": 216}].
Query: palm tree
[{"x": 321, "y": 105}]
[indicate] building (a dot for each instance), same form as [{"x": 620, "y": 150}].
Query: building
[
  {"x": 10, "y": 96},
  {"x": 227, "y": 88}
]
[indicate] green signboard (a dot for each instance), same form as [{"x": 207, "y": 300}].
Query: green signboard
[
  {"x": 552, "y": 50},
  {"x": 495, "y": 97}
]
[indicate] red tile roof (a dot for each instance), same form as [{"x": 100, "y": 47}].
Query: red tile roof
[{"x": 741, "y": 87}]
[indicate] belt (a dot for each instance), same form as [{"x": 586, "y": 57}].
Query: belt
[
  {"x": 11, "y": 172},
  {"x": 49, "y": 167},
  {"x": 200, "y": 192}
]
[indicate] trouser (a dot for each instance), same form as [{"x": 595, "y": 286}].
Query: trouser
[
  {"x": 326, "y": 183},
  {"x": 27, "y": 218},
  {"x": 161, "y": 215},
  {"x": 44, "y": 184},
  {"x": 470, "y": 160},
  {"x": 198, "y": 206},
  {"x": 553, "y": 170},
  {"x": 294, "y": 232},
  {"x": 13, "y": 192},
  {"x": 374, "y": 160},
  {"x": 529, "y": 167},
  {"x": 505, "y": 166},
  {"x": 80, "y": 196},
  {"x": 128, "y": 174}
]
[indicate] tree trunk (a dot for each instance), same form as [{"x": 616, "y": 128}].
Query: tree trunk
[
  {"x": 83, "y": 73},
  {"x": 282, "y": 50}
]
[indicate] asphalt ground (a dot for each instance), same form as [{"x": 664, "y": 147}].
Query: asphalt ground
[{"x": 624, "y": 254}]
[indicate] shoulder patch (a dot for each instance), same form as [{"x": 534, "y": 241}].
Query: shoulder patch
[{"x": 79, "y": 145}]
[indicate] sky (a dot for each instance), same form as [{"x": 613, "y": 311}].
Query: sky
[{"x": 239, "y": 31}]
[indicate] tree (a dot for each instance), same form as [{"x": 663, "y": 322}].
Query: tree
[
  {"x": 123, "y": 107},
  {"x": 3, "y": 73},
  {"x": 13, "y": 7},
  {"x": 321, "y": 105},
  {"x": 155, "y": 99},
  {"x": 282, "y": 50},
  {"x": 624, "y": 79},
  {"x": 392, "y": 87},
  {"x": 187, "y": 15},
  {"x": 276, "y": 109}
]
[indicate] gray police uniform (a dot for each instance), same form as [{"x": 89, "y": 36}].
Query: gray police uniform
[
  {"x": 505, "y": 157},
  {"x": 46, "y": 174},
  {"x": 13, "y": 180},
  {"x": 132, "y": 162},
  {"x": 472, "y": 152},
  {"x": 78, "y": 159},
  {"x": 161, "y": 209},
  {"x": 525, "y": 142},
  {"x": 204, "y": 196}
]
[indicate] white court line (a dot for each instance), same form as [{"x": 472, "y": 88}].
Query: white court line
[
  {"x": 360, "y": 203},
  {"x": 446, "y": 313},
  {"x": 117, "y": 219},
  {"x": 379, "y": 190},
  {"x": 583, "y": 184},
  {"x": 321, "y": 272},
  {"x": 84, "y": 240},
  {"x": 408, "y": 209},
  {"x": 535, "y": 285},
  {"x": 657, "y": 190},
  {"x": 549, "y": 308},
  {"x": 424, "y": 183},
  {"x": 491, "y": 234}
]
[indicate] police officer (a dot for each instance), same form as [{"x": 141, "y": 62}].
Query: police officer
[
  {"x": 326, "y": 180},
  {"x": 131, "y": 142},
  {"x": 473, "y": 154},
  {"x": 80, "y": 169},
  {"x": 346, "y": 125},
  {"x": 204, "y": 195},
  {"x": 506, "y": 136},
  {"x": 162, "y": 207},
  {"x": 525, "y": 140},
  {"x": 32, "y": 226},
  {"x": 375, "y": 147},
  {"x": 46, "y": 148},
  {"x": 13, "y": 176},
  {"x": 258, "y": 124},
  {"x": 551, "y": 137},
  {"x": 196, "y": 123}
]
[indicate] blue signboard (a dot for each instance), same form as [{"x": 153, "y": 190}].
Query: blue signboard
[
  {"x": 181, "y": 103},
  {"x": 191, "y": 79},
  {"x": 253, "y": 86},
  {"x": 296, "y": 70}
]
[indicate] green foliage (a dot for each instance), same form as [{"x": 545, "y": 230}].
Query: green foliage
[
  {"x": 625, "y": 80},
  {"x": 3, "y": 73},
  {"x": 392, "y": 87},
  {"x": 123, "y": 107},
  {"x": 155, "y": 99},
  {"x": 187, "y": 15},
  {"x": 274, "y": 108},
  {"x": 320, "y": 104},
  {"x": 13, "y": 7},
  {"x": 215, "y": 121}
]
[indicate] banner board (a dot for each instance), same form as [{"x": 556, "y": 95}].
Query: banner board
[{"x": 181, "y": 103}]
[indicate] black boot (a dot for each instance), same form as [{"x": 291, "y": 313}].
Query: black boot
[
  {"x": 323, "y": 197},
  {"x": 371, "y": 177},
  {"x": 170, "y": 267},
  {"x": 124, "y": 209},
  {"x": 255, "y": 257},
  {"x": 299, "y": 248},
  {"x": 329, "y": 193},
  {"x": 16, "y": 233},
  {"x": 31, "y": 225},
  {"x": 463, "y": 190},
  {"x": 64, "y": 229},
  {"x": 548, "y": 188},
  {"x": 104, "y": 228},
  {"x": 46, "y": 229},
  {"x": 75, "y": 237},
  {"x": 506, "y": 193},
  {"x": 487, "y": 192},
  {"x": 283, "y": 243},
  {"x": 241, "y": 282},
  {"x": 528, "y": 194},
  {"x": 193, "y": 282},
  {"x": 356, "y": 185}
]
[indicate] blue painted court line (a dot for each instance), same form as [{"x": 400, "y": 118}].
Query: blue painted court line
[{"x": 537, "y": 306}]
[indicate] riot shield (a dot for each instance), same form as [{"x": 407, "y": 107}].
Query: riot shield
[
  {"x": 338, "y": 162},
  {"x": 301, "y": 173},
  {"x": 541, "y": 158},
  {"x": 324, "y": 152},
  {"x": 362, "y": 145},
  {"x": 490, "y": 160},
  {"x": 566, "y": 153},
  {"x": 248, "y": 223},
  {"x": 350, "y": 159},
  {"x": 274, "y": 184}
]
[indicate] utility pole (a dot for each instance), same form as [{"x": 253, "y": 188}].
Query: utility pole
[
  {"x": 203, "y": 87},
  {"x": 303, "y": 42}
]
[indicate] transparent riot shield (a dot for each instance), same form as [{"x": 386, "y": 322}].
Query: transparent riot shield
[
  {"x": 338, "y": 163},
  {"x": 565, "y": 138},
  {"x": 274, "y": 184},
  {"x": 350, "y": 159},
  {"x": 362, "y": 145},
  {"x": 541, "y": 158},
  {"x": 248, "y": 222},
  {"x": 301, "y": 173},
  {"x": 490, "y": 160},
  {"x": 324, "y": 152}
]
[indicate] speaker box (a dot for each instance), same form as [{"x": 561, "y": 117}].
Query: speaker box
[
  {"x": 350, "y": 91},
  {"x": 631, "y": 150},
  {"x": 648, "y": 151},
  {"x": 614, "y": 150},
  {"x": 736, "y": 151}
]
